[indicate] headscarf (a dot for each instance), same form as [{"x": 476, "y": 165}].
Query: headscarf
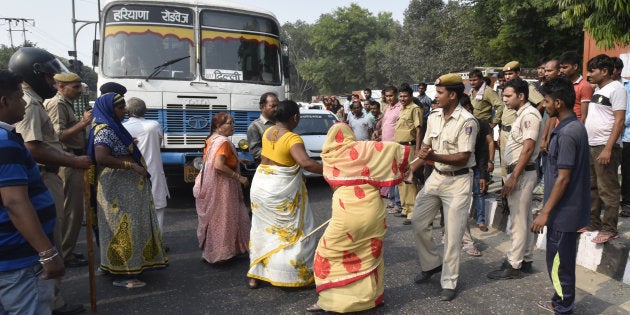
[
  {"x": 103, "y": 115},
  {"x": 350, "y": 162}
]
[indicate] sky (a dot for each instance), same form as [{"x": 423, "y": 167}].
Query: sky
[{"x": 51, "y": 27}]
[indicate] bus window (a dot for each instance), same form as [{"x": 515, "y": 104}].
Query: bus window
[
  {"x": 238, "y": 47},
  {"x": 139, "y": 38}
]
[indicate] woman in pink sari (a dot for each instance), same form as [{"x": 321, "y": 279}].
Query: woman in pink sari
[{"x": 224, "y": 224}]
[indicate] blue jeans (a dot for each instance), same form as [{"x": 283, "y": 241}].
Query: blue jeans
[
  {"x": 480, "y": 205},
  {"x": 394, "y": 196},
  {"x": 23, "y": 291}
]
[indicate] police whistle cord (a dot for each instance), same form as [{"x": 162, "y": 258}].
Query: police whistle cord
[{"x": 315, "y": 230}]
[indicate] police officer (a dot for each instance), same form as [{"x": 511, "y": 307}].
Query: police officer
[
  {"x": 71, "y": 132},
  {"x": 408, "y": 132},
  {"x": 521, "y": 151},
  {"x": 37, "y": 67},
  {"x": 512, "y": 71},
  {"x": 450, "y": 143}
]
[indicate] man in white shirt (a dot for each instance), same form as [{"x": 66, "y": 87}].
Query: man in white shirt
[
  {"x": 149, "y": 135},
  {"x": 604, "y": 124},
  {"x": 360, "y": 123}
]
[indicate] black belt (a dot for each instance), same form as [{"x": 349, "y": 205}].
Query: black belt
[
  {"x": 408, "y": 143},
  {"x": 528, "y": 167},
  {"x": 49, "y": 169},
  {"x": 462, "y": 171},
  {"x": 506, "y": 128}
]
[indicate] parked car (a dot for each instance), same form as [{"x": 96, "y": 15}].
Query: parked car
[{"x": 313, "y": 126}]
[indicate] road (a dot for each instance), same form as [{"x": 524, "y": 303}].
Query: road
[{"x": 191, "y": 286}]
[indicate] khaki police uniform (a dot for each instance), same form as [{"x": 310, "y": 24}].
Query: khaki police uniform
[
  {"x": 528, "y": 125},
  {"x": 450, "y": 187},
  {"x": 37, "y": 126},
  {"x": 482, "y": 109},
  {"x": 61, "y": 113},
  {"x": 409, "y": 119}
]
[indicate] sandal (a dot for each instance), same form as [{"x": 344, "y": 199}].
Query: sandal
[
  {"x": 602, "y": 238},
  {"x": 546, "y": 305},
  {"x": 314, "y": 308},
  {"x": 129, "y": 283},
  {"x": 482, "y": 227},
  {"x": 472, "y": 251},
  {"x": 252, "y": 284},
  {"x": 393, "y": 210}
]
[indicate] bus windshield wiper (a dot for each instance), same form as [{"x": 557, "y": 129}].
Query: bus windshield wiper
[{"x": 159, "y": 68}]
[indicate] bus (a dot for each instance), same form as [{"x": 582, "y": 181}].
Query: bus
[{"x": 189, "y": 59}]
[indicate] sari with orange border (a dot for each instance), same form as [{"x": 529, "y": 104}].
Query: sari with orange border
[{"x": 349, "y": 257}]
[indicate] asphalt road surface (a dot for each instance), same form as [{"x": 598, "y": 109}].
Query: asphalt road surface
[{"x": 191, "y": 286}]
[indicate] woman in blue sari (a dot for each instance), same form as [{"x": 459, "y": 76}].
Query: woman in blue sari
[{"x": 129, "y": 237}]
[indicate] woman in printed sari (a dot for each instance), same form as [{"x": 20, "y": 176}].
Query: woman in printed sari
[
  {"x": 129, "y": 237},
  {"x": 280, "y": 212},
  {"x": 223, "y": 230},
  {"x": 349, "y": 258}
]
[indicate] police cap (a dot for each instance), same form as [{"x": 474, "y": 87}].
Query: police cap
[{"x": 512, "y": 66}]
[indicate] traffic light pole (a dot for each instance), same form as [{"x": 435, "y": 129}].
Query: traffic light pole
[{"x": 75, "y": 32}]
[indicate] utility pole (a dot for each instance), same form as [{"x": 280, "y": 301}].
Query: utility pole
[
  {"x": 23, "y": 30},
  {"x": 75, "y": 32}
]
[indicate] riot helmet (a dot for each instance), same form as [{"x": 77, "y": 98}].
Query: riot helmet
[{"x": 34, "y": 64}]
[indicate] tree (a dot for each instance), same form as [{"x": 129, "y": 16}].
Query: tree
[
  {"x": 531, "y": 29},
  {"x": 296, "y": 36},
  {"x": 340, "y": 40},
  {"x": 608, "y": 21}
]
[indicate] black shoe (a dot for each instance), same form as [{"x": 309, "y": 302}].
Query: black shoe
[
  {"x": 75, "y": 262},
  {"x": 69, "y": 309},
  {"x": 447, "y": 295},
  {"x": 526, "y": 267},
  {"x": 505, "y": 265},
  {"x": 505, "y": 274},
  {"x": 406, "y": 222},
  {"x": 426, "y": 275}
]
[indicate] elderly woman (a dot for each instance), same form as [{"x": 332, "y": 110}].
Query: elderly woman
[
  {"x": 349, "y": 258},
  {"x": 280, "y": 212},
  {"x": 223, "y": 230},
  {"x": 129, "y": 237}
]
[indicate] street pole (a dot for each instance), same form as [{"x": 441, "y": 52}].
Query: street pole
[{"x": 75, "y": 32}]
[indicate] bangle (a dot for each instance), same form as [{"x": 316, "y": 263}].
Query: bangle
[
  {"x": 46, "y": 260},
  {"x": 47, "y": 252}
]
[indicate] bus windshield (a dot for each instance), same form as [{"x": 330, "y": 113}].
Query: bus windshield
[
  {"x": 137, "y": 39},
  {"x": 239, "y": 47}
]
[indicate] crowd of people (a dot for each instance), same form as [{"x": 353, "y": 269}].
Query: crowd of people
[{"x": 411, "y": 157}]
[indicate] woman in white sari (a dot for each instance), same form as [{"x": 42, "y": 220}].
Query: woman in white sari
[{"x": 280, "y": 212}]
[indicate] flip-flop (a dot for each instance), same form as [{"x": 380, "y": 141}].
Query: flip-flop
[
  {"x": 472, "y": 251},
  {"x": 314, "y": 308},
  {"x": 546, "y": 305},
  {"x": 129, "y": 283},
  {"x": 602, "y": 238}
]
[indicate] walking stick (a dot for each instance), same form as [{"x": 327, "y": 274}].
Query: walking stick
[
  {"x": 88, "y": 232},
  {"x": 315, "y": 230}
]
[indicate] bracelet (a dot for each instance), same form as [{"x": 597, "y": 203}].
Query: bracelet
[
  {"x": 126, "y": 164},
  {"x": 47, "y": 252},
  {"x": 44, "y": 261}
]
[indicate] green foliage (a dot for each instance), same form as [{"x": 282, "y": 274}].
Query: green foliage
[
  {"x": 531, "y": 29},
  {"x": 343, "y": 41},
  {"x": 296, "y": 36},
  {"x": 5, "y": 54},
  {"x": 608, "y": 21}
]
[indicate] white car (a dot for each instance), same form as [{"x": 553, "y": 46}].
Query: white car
[{"x": 313, "y": 126}]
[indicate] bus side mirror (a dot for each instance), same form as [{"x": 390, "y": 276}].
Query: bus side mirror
[
  {"x": 95, "y": 45},
  {"x": 286, "y": 66}
]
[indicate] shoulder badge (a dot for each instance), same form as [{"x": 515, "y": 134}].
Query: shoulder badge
[{"x": 468, "y": 130}]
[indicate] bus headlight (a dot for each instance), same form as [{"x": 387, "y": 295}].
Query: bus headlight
[
  {"x": 243, "y": 145},
  {"x": 198, "y": 162}
]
